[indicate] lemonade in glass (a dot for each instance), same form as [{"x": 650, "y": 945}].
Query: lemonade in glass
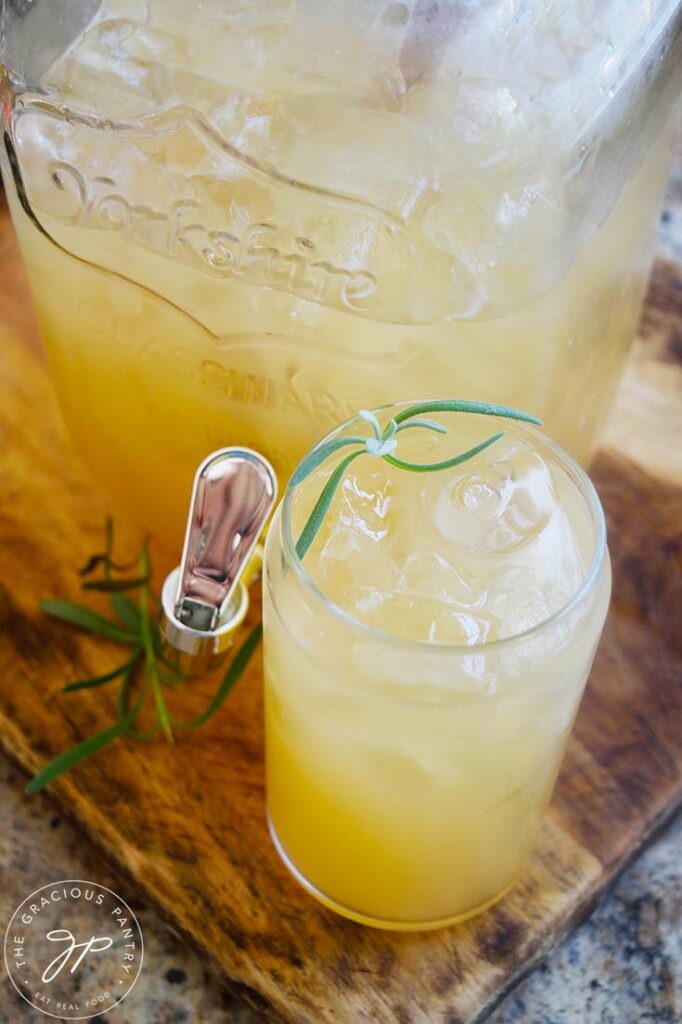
[{"x": 424, "y": 663}]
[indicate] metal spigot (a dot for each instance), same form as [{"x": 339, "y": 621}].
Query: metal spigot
[{"x": 206, "y": 598}]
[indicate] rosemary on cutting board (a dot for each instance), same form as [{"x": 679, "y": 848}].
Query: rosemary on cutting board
[{"x": 145, "y": 672}]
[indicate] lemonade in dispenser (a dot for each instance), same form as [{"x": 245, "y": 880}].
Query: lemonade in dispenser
[{"x": 244, "y": 221}]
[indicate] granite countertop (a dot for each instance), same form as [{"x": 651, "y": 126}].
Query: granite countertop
[{"x": 621, "y": 966}]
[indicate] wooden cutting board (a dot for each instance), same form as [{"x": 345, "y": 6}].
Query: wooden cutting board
[{"x": 187, "y": 823}]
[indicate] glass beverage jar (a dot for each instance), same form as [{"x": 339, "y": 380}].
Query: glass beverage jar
[
  {"x": 244, "y": 221},
  {"x": 424, "y": 662}
]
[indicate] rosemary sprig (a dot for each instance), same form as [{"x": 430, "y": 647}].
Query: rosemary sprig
[
  {"x": 145, "y": 671},
  {"x": 383, "y": 443}
]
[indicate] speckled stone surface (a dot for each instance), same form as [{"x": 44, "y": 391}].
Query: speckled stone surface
[
  {"x": 621, "y": 966},
  {"x": 624, "y": 964}
]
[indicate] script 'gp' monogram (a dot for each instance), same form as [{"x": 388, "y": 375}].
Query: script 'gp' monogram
[
  {"x": 73, "y": 949},
  {"x": 93, "y": 945}
]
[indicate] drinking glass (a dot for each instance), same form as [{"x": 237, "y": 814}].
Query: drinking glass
[{"x": 407, "y": 777}]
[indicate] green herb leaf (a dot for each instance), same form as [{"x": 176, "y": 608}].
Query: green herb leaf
[
  {"x": 171, "y": 671},
  {"x": 381, "y": 447},
  {"x": 321, "y": 508},
  {"x": 234, "y": 673},
  {"x": 436, "y": 467},
  {"x": 171, "y": 680},
  {"x": 104, "y": 560},
  {"x": 127, "y": 611},
  {"x": 421, "y": 422},
  {"x": 123, "y": 710},
  {"x": 460, "y": 405},
  {"x": 92, "y": 563},
  {"x": 63, "y": 762},
  {"x": 318, "y": 455},
  {"x": 371, "y": 418},
  {"x": 147, "y": 634},
  {"x": 144, "y": 734},
  {"x": 114, "y": 586},
  {"x": 87, "y": 684},
  {"x": 161, "y": 709},
  {"x": 159, "y": 644},
  {"x": 390, "y": 430},
  {"x": 84, "y": 618}
]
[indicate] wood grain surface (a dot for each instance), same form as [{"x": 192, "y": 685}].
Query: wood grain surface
[{"x": 187, "y": 823}]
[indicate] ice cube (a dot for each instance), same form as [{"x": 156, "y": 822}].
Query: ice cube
[
  {"x": 426, "y": 573},
  {"x": 496, "y": 502},
  {"x": 355, "y": 564}
]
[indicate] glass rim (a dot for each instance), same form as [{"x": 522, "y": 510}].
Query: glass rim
[{"x": 575, "y": 471}]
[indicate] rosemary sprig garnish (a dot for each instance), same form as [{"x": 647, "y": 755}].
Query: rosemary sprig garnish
[
  {"x": 145, "y": 670},
  {"x": 383, "y": 443}
]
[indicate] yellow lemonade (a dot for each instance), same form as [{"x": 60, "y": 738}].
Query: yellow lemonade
[
  {"x": 424, "y": 664},
  {"x": 244, "y": 226}
]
